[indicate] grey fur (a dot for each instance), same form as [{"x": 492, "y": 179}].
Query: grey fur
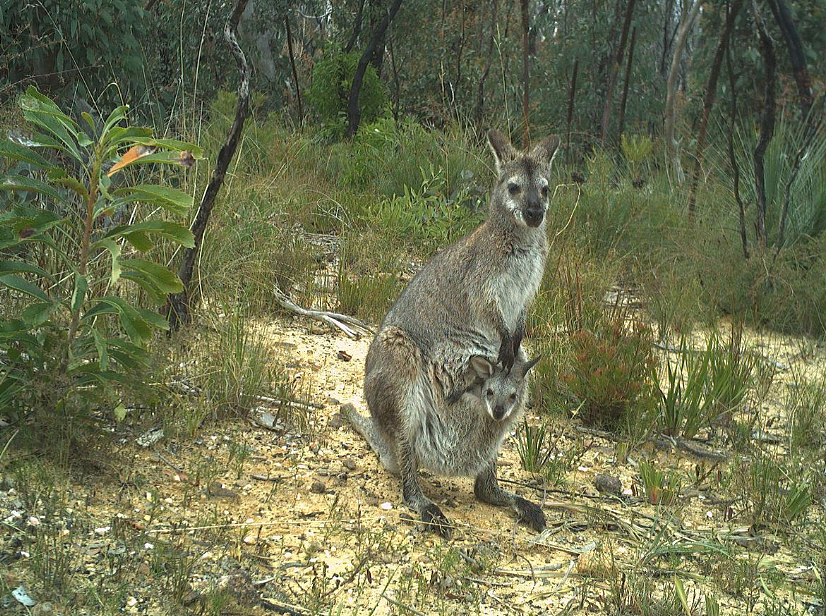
[{"x": 470, "y": 300}]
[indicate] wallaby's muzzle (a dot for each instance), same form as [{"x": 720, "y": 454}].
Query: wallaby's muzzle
[
  {"x": 533, "y": 216},
  {"x": 499, "y": 413}
]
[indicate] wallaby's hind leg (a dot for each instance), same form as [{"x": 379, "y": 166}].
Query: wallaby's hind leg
[
  {"x": 413, "y": 495},
  {"x": 488, "y": 490}
]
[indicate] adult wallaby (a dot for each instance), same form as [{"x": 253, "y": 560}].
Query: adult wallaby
[
  {"x": 470, "y": 300},
  {"x": 471, "y": 432}
]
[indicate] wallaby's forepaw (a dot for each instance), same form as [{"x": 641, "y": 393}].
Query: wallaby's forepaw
[
  {"x": 436, "y": 520},
  {"x": 506, "y": 354},
  {"x": 530, "y": 513}
]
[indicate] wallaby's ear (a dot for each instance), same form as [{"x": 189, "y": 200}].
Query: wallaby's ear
[
  {"x": 481, "y": 366},
  {"x": 530, "y": 365},
  {"x": 503, "y": 151},
  {"x": 546, "y": 149}
]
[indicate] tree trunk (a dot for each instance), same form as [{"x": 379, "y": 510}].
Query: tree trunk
[
  {"x": 627, "y": 81},
  {"x": 480, "y": 88},
  {"x": 295, "y": 72},
  {"x": 612, "y": 78},
  {"x": 524, "y": 6},
  {"x": 796, "y": 54},
  {"x": 669, "y": 6},
  {"x": 671, "y": 90},
  {"x": 396, "y": 81},
  {"x": 177, "y": 307},
  {"x": 571, "y": 96},
  {"x": 708, "y": 103},
  {"x": 766, "y": 124},
  {"x": 353, "y": 109},
  {"x": 356, "y": 28}
]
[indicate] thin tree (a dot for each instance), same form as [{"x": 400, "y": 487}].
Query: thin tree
[
  {"x": 735, "y": 168},
  {"x": 524, "y": 6},
  {"x": 796, "y": 54},
  {"x": 766, "y": 123},
  {"x": 177, "y": 307},
  {"x": 612, "y": 78},
  {"x": 689, "y": 16},
  {"x": 480, "y": 87},
  {"x": 708, "y": 103},
  {"x": 571, "y": 97},
  {"x": 292, "y": 65},
  {"x": 353, "y": 109},
  {"x": 627, "y": 82}
]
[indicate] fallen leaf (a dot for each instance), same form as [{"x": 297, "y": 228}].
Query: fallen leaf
[{"x": 344, "y": 356}]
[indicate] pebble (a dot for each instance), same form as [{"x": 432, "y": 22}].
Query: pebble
[
  {"x": 608, "y": 484},
  {"x": 386, "y": 506},
  {"x": 43, "y": 609},
  {"x": 350, "y": 464},
  {"x": 318, "y": 488}
]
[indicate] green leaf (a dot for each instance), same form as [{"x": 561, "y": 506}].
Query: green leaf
[
  {"x": 59, "y": 177},
  {"x": 21, "y": 266},
  {"x": 171, "y": 199},
  {"x": 120, "y": 134},
  {"x": 27, "y": 184},
  {"x": 41, "y": 111},
  {"x": 24, "y": 286},
  {"x": 161, "y": 277},
  {"x": 114, "y": 249},
  {"x": 145, "y": 283},
  {"x": 79, "y": 294},
  {"x": 15, "y": 151},
  {"x": 119, "y": 412},
  {"x": 169, "y": 230},
  {"x": 90, "y": 122},
  {"x": 678, "y": 586},
  {"x": 100, "y": 344},
  {"x": 173, "y": 145},
  {"x": 37, "y": 313},
  {"x": 118, "y": 114}
]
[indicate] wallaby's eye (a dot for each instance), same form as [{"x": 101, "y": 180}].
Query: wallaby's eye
[
  {"x": 489, "y": 393},
  {"x": 544, "y": 191},
  {"x": 513, "y": 397},
  {"x": 513, "y": 189}
]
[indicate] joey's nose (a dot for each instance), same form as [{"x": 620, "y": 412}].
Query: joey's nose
[{"x": 533, "y": 216}]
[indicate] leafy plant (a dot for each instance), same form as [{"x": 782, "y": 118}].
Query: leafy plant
[
  {"x": 72, "y": 328},
  {"x": 660, "y": 487},
  {"x": 534, "y": 447}
]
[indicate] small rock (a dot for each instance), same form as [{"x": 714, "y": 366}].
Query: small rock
[
  {"x": 608, "y": 484},
  {"x": 386, "y": 506},
  {"x": 337, "y": 421},
  {"x": 43, "y": 609},
  {"x": 250, "y": 539},
  {"x": 318, "y": 488},
  {"x": 350, "y": 464},
  {"x": 216, "y": 488},
  {"x": 33, "y": 521}
]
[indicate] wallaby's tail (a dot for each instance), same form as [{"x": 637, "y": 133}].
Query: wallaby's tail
[{"x": 364, "y": 426}]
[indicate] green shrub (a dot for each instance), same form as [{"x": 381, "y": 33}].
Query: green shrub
[
  {"x": 328, "y": 95},
  {"x": 71, "y": 278}
]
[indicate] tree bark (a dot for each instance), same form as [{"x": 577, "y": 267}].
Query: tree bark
[
  {"x": 708, "y": 103},
  {"x": 612, "y": 78},
  {"x": 671, "y": 90},
  {"x": 353, "y": 109},
  {"x": 295, "y": 72},
  {"x": 796, "y": 54},
  {"x": 571, "y": 96},
  {"x": 524, "y": 6},
  {"x": 177, "y": 307},
  {"x": 627, "y": 82},
  {"x": 480, "y": 88},
  {"x": 766, "y": 124}
]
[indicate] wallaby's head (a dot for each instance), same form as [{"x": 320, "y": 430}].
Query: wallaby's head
[
  {"x": 501, "y": 389},
  {"x": 522, "y": 189}
]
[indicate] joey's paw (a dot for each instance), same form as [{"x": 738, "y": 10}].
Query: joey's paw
[
  {"x": 530, "y": 514},
  {"x": 436, "y": 520}
]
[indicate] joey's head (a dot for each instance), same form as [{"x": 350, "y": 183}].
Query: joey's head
[
  {"x": 502, "y": 391},
  {"x": 522, "y": 188}
]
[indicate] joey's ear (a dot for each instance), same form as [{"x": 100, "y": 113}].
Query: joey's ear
[
  {"x": 546, "y": 149},
  {"x": 481, "y": 366},
  {"x": 503, "y": 151},
  {"x": 526, "y": 367}
]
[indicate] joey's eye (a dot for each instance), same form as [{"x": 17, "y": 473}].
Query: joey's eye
[
  {"x": 489, "y": 393},
  {"x": 513, "y": 189},
  {"x": 544, "y": 191},
  {"x": 513, "y": 397}
]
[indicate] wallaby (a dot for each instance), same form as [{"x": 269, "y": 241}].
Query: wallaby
[
  {"x": 471, "y": 432},
  {"x": 470, "y": 300}
]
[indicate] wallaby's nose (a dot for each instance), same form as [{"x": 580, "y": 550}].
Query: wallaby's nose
[
  {"x": 533, "y": 216},
  {"x": 498, "y": 412}
]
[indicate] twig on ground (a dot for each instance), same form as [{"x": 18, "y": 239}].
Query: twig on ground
[
  {"x": 283, "y": 608},
  {"x": 341, "y": 321},
  {"x": 688, "y": 445}
]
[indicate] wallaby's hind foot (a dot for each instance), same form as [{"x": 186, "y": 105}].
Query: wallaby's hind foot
[{"x": 487, "y": 489}]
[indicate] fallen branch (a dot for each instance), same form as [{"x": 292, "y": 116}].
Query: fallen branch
[
  {"x": 283, "y": 608},
  {"x": 688, "y": 445},
  {"x": 341, "y": 321}
]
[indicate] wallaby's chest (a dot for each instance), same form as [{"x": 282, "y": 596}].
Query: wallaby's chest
[{"x": 517, "y": 283}]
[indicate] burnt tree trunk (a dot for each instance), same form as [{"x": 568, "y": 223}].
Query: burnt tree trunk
[
  {"x": 571, "y": 97},
  {"x": 177, "y": 307},
  {"x": 735, "y": 168},
  {"x": 356, "y": 28},
  {"x": 295, "y": 72},
  {"x": 480, "y": 88},
  {"x": 766, "y": 125},
  {"x": 708, "y": 103},
  {"x": 627, "y": 82},
  {"x": 614, "y": 71},
  {"x": 524, "y": 6},
  {"x": 796, "y": 54},
  {"x": 353, "y": 109}
]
